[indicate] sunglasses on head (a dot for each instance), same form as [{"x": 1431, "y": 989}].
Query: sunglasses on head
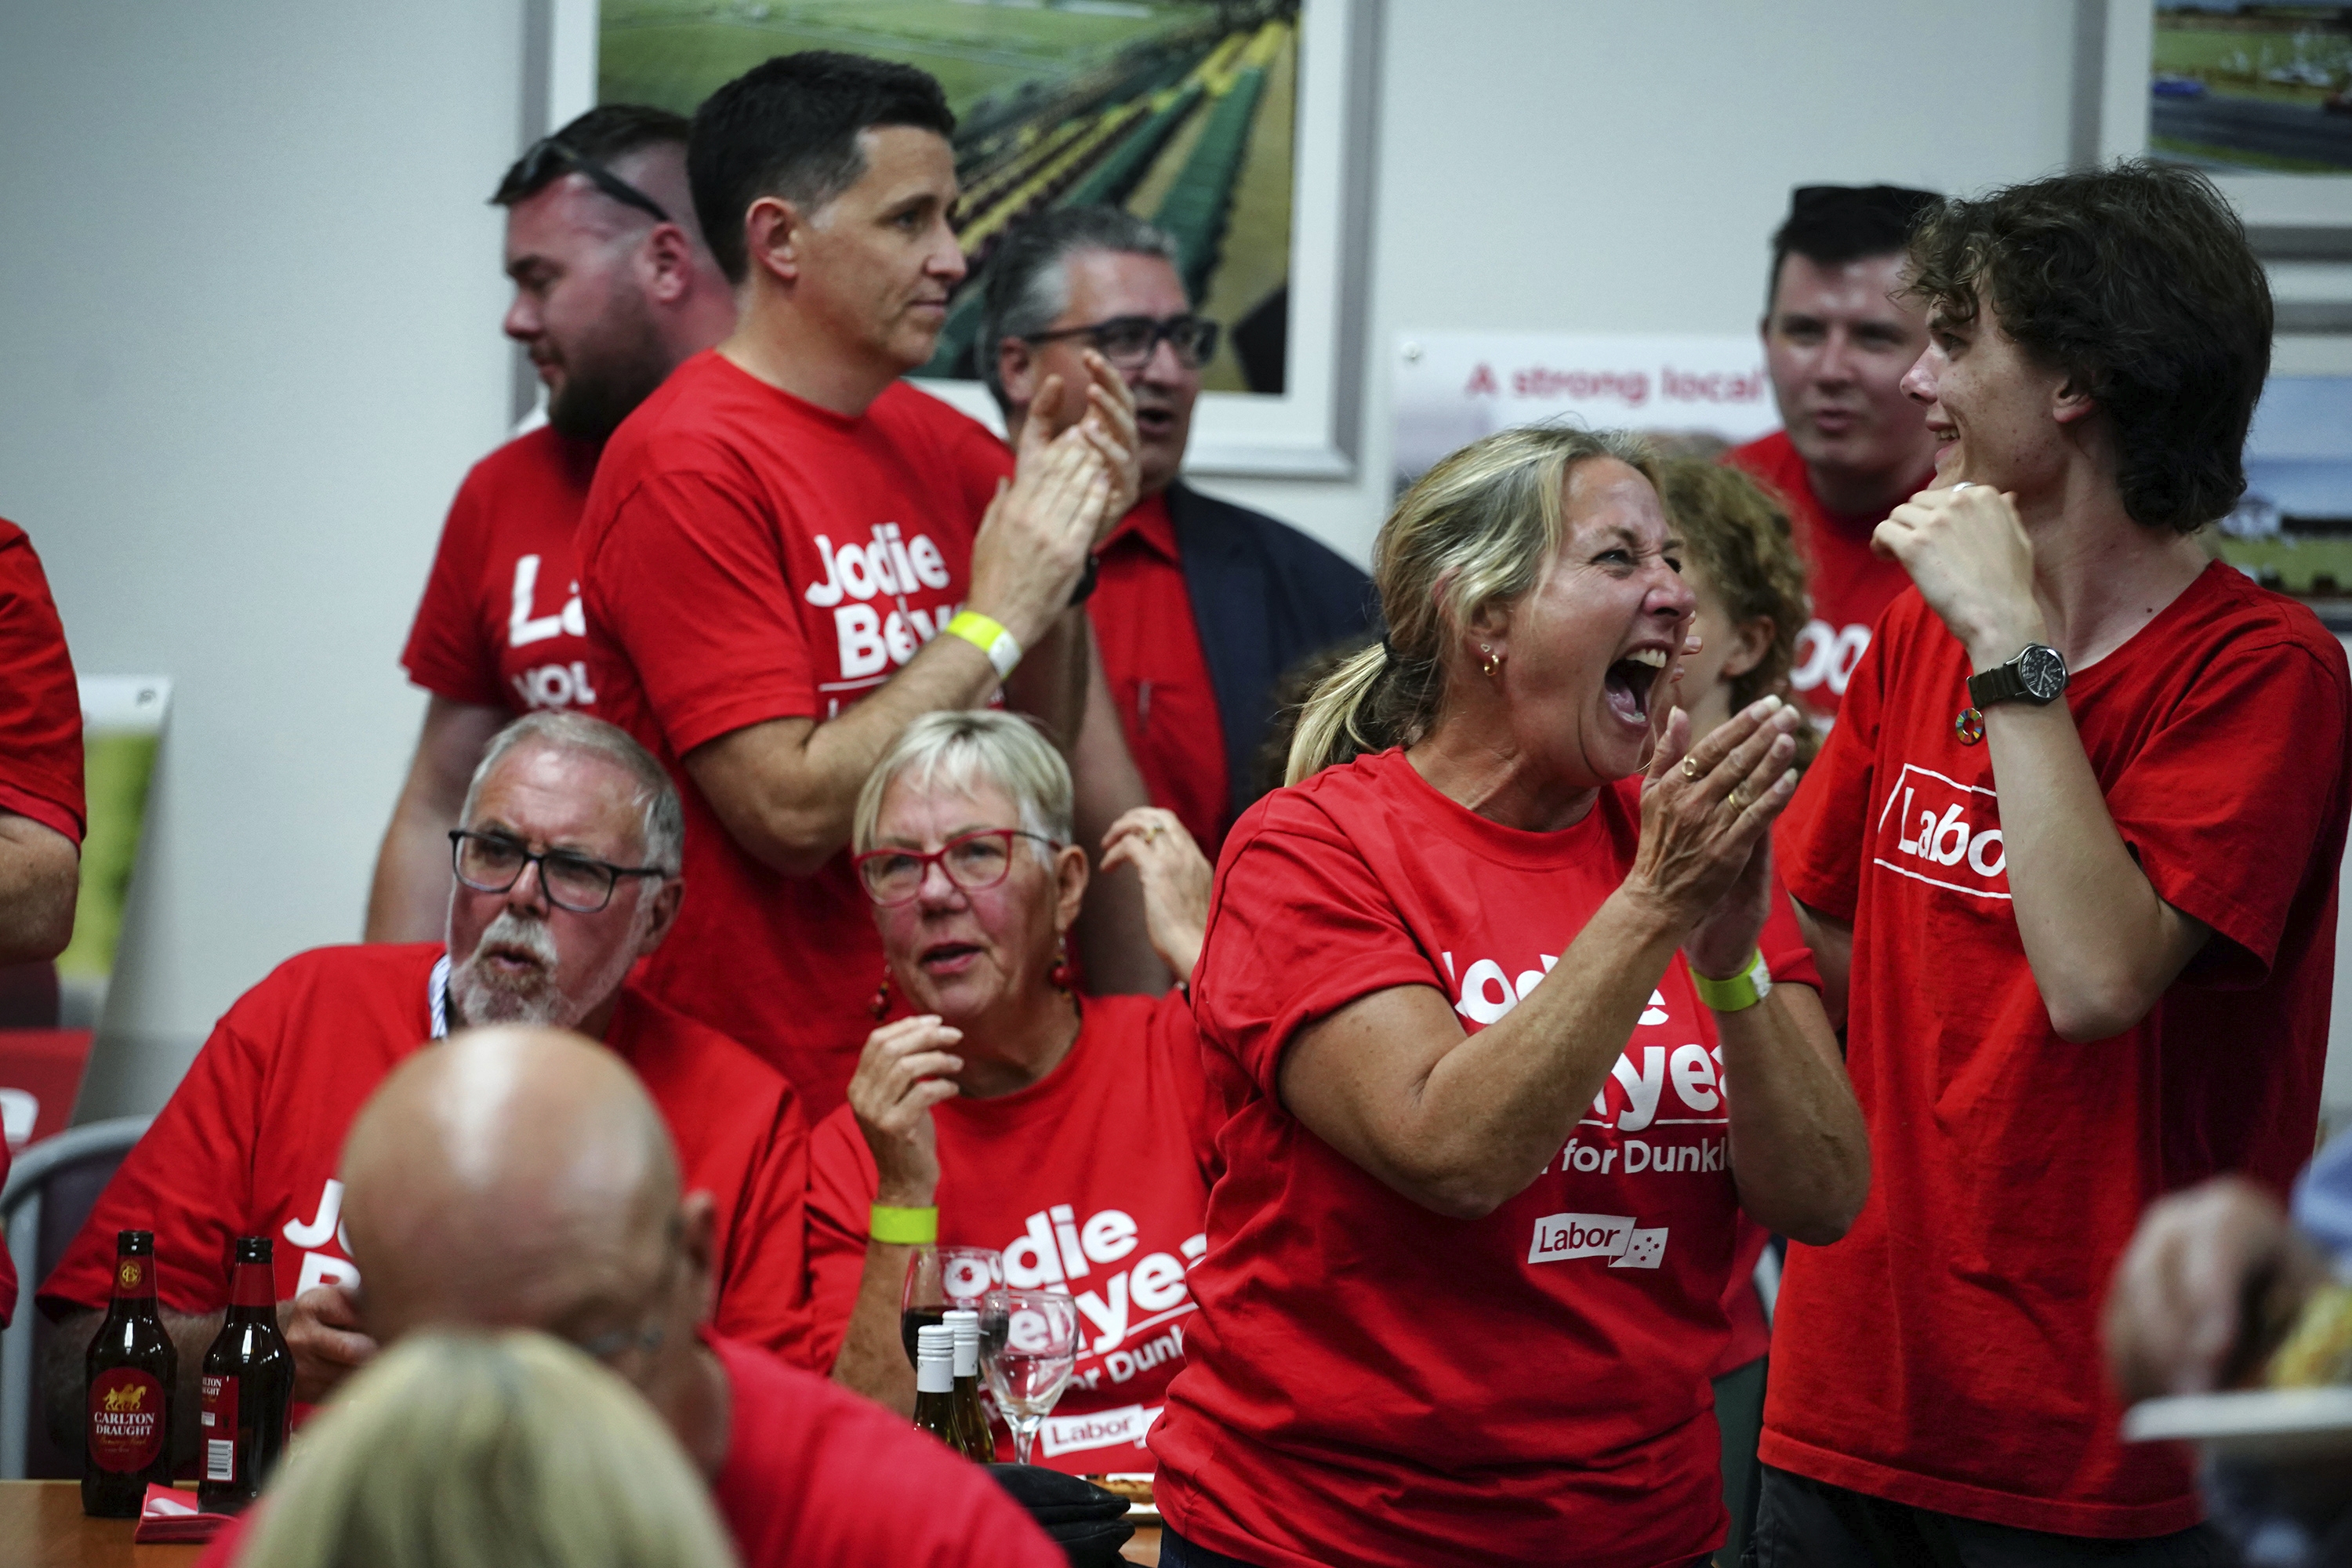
[{"x": 549, "y": 159}]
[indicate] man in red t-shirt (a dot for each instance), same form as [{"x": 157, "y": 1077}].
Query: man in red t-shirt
[
  {"x": 2072, "y": 849},
  {"x": 567, "y": 876},
  {"x": 1201, "y": 604},
  {"x": 785, "y": 558},
  {"x": 1838, "y": 336},
  {"x": 41, "y": 812},
  {"x": 613, "y": 287},
  {"x": 514, "y": 1179}
]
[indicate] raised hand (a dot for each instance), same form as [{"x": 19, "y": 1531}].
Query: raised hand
[
  {"x": 1706, "y": 810},
  {"x": 1965, "y": 547},
  {"x": 902, "y": 1074},
  {"x": 1176, "y": 878},
  {"x": 1034, "y": 539}
]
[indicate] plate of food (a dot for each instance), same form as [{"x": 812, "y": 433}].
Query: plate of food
[
  {"x": 2304, "y": 1411},
  {"x": 1136, "y": 1488}
]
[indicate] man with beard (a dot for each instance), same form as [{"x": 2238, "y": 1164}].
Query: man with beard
[
  {"x": 1201, "y": 604},
  {"x": 614, "y": 288},
  {"x": 567, "y": 874},
  {"x": 1838, "y": 335}
]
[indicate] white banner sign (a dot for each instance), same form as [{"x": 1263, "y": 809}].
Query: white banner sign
[{"x": 1454, "y": 387}]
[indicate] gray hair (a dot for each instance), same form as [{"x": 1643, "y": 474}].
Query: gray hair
[
  {"x": 959, "y": 750},
  {"x": 1029, "y": 280},
  {"x": 661, "y": 821}
]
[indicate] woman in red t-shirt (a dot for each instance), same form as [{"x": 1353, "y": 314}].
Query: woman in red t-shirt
[
  {"x": 1071, "y": 1135},
  {"x": 1467, "y": 1253}
]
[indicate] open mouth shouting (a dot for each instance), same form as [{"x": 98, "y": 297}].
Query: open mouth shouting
[{"x": 1628, "y": 684}]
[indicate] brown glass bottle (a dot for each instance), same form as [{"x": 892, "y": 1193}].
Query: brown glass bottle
[
  {"x": 971, "y": 1415},
  {"x": 935, "y": 1405},
  {"x": 128, "y": 1377},
  {"x": 247, "y": 1388}
]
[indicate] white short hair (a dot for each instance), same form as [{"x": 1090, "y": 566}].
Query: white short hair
[{"x": 959, "y": 750}]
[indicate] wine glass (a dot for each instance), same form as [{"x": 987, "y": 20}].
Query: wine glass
[
  {"x": 939, "y": 1278},
  {"x": 1029, "y": 1343}
]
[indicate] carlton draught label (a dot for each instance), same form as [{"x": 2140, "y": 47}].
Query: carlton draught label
[{"x": 126, "y": 1419}]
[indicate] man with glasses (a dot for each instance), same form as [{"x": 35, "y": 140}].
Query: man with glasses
[
  {"x": 516, "y": 1179},
  {"x": 1200, "y": 605},
  {"x": 613, "y": 287},
  {"x": 566, "y": 875},
  {"x": 789, "y": 554}
]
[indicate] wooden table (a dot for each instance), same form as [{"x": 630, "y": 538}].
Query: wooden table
[{"x": 42, "y": 1526}]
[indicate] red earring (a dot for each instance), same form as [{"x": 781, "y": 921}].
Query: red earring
[
  {"x": 1059, "y": 975},
  {"x": 880, "y": 1006}
]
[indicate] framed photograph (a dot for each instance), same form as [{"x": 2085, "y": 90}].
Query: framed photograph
[{"x": 1244, "y": 127}]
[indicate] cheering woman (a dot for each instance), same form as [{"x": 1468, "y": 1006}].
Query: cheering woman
[{"x": 1496, "y": 1009}]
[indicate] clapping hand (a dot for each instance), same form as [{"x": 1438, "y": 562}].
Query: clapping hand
[{"x": 1176, "y": 878}]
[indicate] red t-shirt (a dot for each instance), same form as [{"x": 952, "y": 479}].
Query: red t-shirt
[
  {"x": 1848, "y": 584},
  {"x": 1094, "y": 1179},
  {"x": 817, "y": 1474},
  {"x": 1142, "y": 615},
  {"x": 748, "y": 556},
  {"x": 248, "y": 1144},
  {"x": 500, "y": 624},
  {"x": 1946, "y": 1354},
  {"x": 1370, "y": 1382},
  {"x": 41, "y": 706}
]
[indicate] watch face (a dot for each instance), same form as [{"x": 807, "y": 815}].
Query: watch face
[{"x": 2042, "y": 671}]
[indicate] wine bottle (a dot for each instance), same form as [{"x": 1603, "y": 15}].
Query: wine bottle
[
  {"x": 249, "y": 1387},
  {"x": 935, "y": 1406},
  {"x": 126, "y": 1381},
  {"x": 980, "y": 1441}
]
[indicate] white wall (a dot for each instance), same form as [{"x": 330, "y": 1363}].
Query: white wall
[{"x": 249, "y": 340}]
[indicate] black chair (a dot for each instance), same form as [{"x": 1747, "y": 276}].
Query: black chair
[{"x": 51, "y": 1189}]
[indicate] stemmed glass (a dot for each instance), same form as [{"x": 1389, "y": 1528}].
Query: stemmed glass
[
  {"x": 1029, "y": 1347},
  {"x": 939, "y": 1278}
]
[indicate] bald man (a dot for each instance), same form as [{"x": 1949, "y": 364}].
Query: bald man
[
  {"x": 567, "y": 875},
  {"x": 521, "y": 1178}
]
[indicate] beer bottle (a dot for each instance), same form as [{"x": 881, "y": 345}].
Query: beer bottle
[
  {"x": 935, "y": 1406},
  {"x": 249, "y": 1387},
  {"x": 979, "y": 1440},
  {"x": 128, "y": 1378}
]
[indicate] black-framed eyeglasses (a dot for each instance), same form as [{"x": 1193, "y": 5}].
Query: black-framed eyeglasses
[
  {"x": 491, "y": 863},
  {"x": 548, "y": 157},
  {"x": 971, "y": 860},
  {"x": 1130, "y": 342}
]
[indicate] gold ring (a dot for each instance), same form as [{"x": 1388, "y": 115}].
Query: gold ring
[
  {"x": 1690, "y": 767},
  {"x": 1739, "y": 798}
]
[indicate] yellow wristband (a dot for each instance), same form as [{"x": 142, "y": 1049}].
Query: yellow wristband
[
  {"x": 1741, "y": 992},
  {"x": 991, "y": 639},
  {"x": 903, "y": 1227}
]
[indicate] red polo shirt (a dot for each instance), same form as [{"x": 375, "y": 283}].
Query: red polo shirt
[{"x": 1142, "y": 615}]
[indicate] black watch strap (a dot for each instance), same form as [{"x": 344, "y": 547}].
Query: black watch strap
[
  {"x": 1085, "y": 588},
  {"x": 2001, "y": 683}
]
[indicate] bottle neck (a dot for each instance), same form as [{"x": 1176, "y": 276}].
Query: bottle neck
[
  {"x": 253, "y": 1287},
  {"x": 134, "y": 1283}
]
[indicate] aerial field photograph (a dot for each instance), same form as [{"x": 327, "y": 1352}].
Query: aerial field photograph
[
  {"x": 2249, "y": 88},
  {"x": 1180, "y": 111}
]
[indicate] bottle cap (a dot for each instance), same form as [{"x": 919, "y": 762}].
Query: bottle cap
[
  {"x": 134, "y": 1243},
  {"x": 964, "y": 1323},
  {"x": 253, "y": 1249},
  {"x": 934, "y": 1359}
]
